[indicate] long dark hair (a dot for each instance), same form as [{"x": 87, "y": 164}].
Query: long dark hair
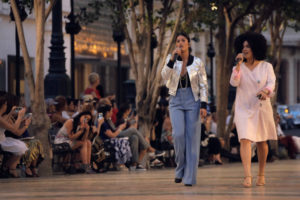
[
  {"x": 3, "y": 98},
  {"x": 123, "y": 108},
  {"x": 104, "y": 109},
  {"x": 76, "y": 120}
]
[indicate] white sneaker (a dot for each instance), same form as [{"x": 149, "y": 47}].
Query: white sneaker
[
  {"x": 156, "y": 163},
  {"x": 132, "y": 168},
  {"x": 151, "y": 155}
]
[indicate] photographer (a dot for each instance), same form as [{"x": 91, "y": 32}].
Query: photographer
[
  {"x": 35, "y": 153},
  {"x": 12, "y": 145}
]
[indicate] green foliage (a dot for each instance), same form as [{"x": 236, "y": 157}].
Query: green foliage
[
  {"x": 27, "y": 4},
  {"x": 90, "y": 13}
]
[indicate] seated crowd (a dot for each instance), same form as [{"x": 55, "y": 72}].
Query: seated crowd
[{"x": 80, "y": 123}]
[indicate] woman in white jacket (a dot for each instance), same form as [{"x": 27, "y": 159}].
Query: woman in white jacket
[{"x": 185, "y": 77}]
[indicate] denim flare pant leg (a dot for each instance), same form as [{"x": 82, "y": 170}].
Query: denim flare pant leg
[{"x": 184, "y": 113}]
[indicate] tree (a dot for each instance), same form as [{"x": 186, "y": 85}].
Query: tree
[
  {"x": 139, "y": 19},
  {"x": 230, "y": 13},
  {"x": 40, "y": 120},
  {"x": 230, "y": 17},
  {"x": 247, "y": 16},
  {"x": 285, "y": 15}
]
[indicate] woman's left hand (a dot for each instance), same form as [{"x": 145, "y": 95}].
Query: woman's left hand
[
  {"x": 27, "y": 122},
  {"x": 100, "y": 121},
  {"x": 203, "y": 112},
  {"x": 94, "y": 129}
]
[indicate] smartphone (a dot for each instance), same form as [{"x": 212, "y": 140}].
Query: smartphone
[
  {"x": 27, "y": 115},
  {"x": 100, "y": 115},
  {"x": 17, "y": 109},
  {"x": 85, "y": 120}
]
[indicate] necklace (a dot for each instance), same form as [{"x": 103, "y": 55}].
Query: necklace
[{"x": 184, "y": 78}]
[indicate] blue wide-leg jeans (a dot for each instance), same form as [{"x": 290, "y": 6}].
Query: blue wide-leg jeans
[{"x": 184, "y": 113}]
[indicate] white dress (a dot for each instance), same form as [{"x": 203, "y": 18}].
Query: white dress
[
  {"x": 254, "y": 118},
  {"x": 12, "y": 145}
]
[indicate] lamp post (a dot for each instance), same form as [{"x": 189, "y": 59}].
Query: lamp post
[
  {"x": 23, "y": 16},
  {"x": 57, "y": 81},
  {"x": 72, "y": 28},
  {"x": 211, "y": 53},
  {"x": 118, "y": 36}
]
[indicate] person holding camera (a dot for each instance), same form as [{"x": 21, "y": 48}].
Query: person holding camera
[
  {"x": 75, "y": 133},
  {"x": 9, "y": 144},
  {"x": 186, "y": 79},
  {"x": 255, "y": 82}
]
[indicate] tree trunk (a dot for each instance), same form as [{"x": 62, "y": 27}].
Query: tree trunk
[
  {"x": 277, "y": 28},
  {"x": 147, "y": 77},
  {"x": 222, "y": 79},
  {"x": 40, "y": 122}
]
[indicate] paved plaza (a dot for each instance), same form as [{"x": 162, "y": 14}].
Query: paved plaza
[{"x": 214, "y": 182}]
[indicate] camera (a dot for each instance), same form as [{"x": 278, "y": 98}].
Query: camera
[{"x": 100, "y": 115}]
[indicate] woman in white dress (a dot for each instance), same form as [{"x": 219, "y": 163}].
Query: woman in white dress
[
  {"x": 12, "y": 145},
  {"x": 255, "y": 82}
]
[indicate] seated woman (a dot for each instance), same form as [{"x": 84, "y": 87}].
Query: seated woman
[
  {"x": 214, "y": 144},
  {"x": 131, "y": 130},
  {"x": 287, "y": 141},
  {"x": 35, "y": 153},
  {"x": 8, "y": 144},
  {"x": 75, "y": 133},
  {"x": 123, "y": 116},
  {"x": 109, "y": 132}
]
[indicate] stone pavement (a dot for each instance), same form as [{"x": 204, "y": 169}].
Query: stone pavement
[{"x": 214, "y": 182}]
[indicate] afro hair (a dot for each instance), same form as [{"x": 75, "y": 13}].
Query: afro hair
[{"x": 257, "y": 42}]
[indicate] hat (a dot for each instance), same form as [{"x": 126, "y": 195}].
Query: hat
[
  {"x": 50, "y": 101},
  {"x": 88, "y": 98}
]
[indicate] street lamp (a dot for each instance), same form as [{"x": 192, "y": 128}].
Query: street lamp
[
  {"x": 23, "y": 16},
  {"x": 72, "y": 28},
  {"x": 118, "y": 36},
  {"x": 211, "y": 53},
  {"x": 57, "y": 81}
]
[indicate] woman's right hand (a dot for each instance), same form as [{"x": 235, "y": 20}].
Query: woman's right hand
[
  {"x": 177, "y": 51},
  {"x": 239, "y": 58},
  {"x": 122, "y": 126}
]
